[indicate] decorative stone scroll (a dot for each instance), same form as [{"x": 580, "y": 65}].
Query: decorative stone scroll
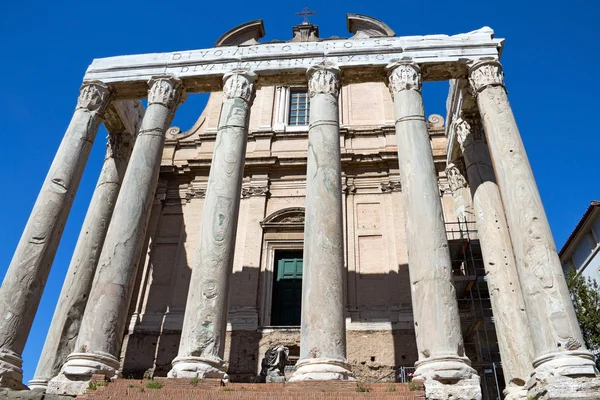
[
  {"x": 404, "y": 75},
  {"x": 484, "y": 74},
  {"x": 239, "y": 83},
  {"x": 93, "y": 96},
  {"x": 324, "y": 78},
  {"x": 391, "y": 186},
  {"x": 255, "y": 191}
]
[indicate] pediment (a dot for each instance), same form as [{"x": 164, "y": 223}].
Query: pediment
[{"x": 292, "y": 217}]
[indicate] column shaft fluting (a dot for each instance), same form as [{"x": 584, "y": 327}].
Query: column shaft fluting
[
  {"x": 323, "y": 325},
  {"x": 559, "y": 349},
  {"x": 510, "y": 318},
  {"x": 102, "y": 327},
  {"x": 202, "y": 345},
  {"x": 435, "y": 309},
  {"x": 26, "y": 277},
  {"x": 64, "y": 329}
]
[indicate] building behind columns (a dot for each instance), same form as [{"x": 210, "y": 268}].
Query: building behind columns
[{"x": 371, "y": 239}]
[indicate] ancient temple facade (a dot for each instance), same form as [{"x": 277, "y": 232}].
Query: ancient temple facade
[{"x": 313, "y": 205}]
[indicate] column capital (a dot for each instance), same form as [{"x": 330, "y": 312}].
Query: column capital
[
  {"x": 93, "y": 96},
  {"x": 239, "y": 83},
  {"x": 166, "y": 90},
  {"x": 323, "y": 78},
  {"x": 485, "y": 73},
  {"x": 403, "y": 75},
  {"x": 455, "y": 177},
  {"x": 468, "y": 130}
]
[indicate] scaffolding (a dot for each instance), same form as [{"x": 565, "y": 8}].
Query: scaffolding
[{"x": 474, "y": 306}]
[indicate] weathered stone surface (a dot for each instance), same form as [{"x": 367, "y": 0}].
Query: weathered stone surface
[
  {"x": 103, "y": 324},
  {"x": 202, "y": 343},
  {"x": 442, "y": 365},
  {"x": 6, "y": 394},
  {"x": 63, "y": 332},
  {"x": 26, "y": 277},
  {"x": 510, "y": 317},
  {"x": 323, "y": 328},
  {"x": 559, "y": 350},
  {"x": 463, "y": 204}
]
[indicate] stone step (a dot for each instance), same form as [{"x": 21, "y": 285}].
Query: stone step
[{"x": 184, "y": 389}]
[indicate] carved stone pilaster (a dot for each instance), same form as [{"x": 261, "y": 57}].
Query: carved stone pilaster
[
  {"x": 456, "y": 179},
  {"x": 166, "y": 90},
  {"x": 484, "y": 74},
  {"x": 404, "y": 75},
  {"x": 255, "y": 191},
  {"x": 391, "y": 186},
  {"x": 239, "y": 83},
  {"x": 468, "y": 130},
  {"x": 93, "y": 96},
  {"x": 323, "y": 78}
]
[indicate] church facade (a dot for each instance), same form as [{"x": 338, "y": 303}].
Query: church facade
[{"x": 312, "y": 205}]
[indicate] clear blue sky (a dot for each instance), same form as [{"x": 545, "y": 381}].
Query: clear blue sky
[{"x": 550, "y": 60}]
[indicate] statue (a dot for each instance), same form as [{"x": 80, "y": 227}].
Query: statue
[{"x": 273, "y": 364}]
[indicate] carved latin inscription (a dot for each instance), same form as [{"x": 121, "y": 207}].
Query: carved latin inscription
[{"x": 323, "y": 78}]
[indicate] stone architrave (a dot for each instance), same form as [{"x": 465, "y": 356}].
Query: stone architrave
[
  {"x": 442, "y": 366},
  {"x": 510, "y": 317},
  {"x": 26, "y": 277},
  {"x": 563, "y": 367},
  {"x": 323, "y": 325},
  {"x": 461, "y": 197},
  {"x": 202, "y": 345},
  {"x": 104, "y": 320},
  {"x": 64, "y": 329}
]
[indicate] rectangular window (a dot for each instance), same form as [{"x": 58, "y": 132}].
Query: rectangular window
[{"x": 299, "y": 107}]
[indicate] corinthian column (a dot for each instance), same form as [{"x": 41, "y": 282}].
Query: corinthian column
[
  {"x": 323, "y": 325},
  {"x": 510, "y": 318},
  {"x": 461, "y": 196},
  {"x": 28, "y": 271},
  {"x": 64, "y": 329},
  {"x": 442, "y": 366},
  {"x": 102, "y": 327},
  {"x": 563, "y": 367},
  {"x": 202, "y": 345}
]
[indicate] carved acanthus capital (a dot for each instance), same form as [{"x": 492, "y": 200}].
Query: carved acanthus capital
[
  {"x": 239, "y": 83},
  {"x": 456, "y": 180},
  {"x": 323, "y": 78},
  {"x": 404, "y": 75},
  {"x": 118, "y": 146},
  {"x": 94, "y": 96},
  {"x": 484, "y": 74},
  {"x": 391, "y": 186},
  {"x": 255, "y": 191},
  {"x": 166, "y": 90},
  {"x": 468, "y": 129}
]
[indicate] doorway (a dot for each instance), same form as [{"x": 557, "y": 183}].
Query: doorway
[{"x": 287, "y": 288}]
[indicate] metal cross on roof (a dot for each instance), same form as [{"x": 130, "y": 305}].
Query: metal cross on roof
[{"x": 306, "y": 13}]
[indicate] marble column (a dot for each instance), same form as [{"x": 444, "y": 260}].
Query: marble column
[
  {"x": 202, "y": 345},
  {"x": 64, "y": 329},
  {"x": 102, "y": 327},
  {"x": 442, "y": 366},
  {"x": 461, "y": 196},
  {"x": 510, "y": 318},
  {"x": 26, "y": 277},
  {"x": 563, "y": 367},
  {"x": 323, "y": 325}
]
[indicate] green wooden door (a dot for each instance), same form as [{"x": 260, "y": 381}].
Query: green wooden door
[{"x": 287, "y": 293}]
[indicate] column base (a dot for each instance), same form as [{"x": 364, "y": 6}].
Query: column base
[
  {"x": 38, "y": 384},
  {"x": 448, "y": 378},
  {"x": 564, "y": 375},
  {"x": 515, "y": 393},
  {"x": 76, "y": 374},
  {"x": 198, "y": 367},
  {"x": 11, "y": 374},
  {"x": 322, "y": 369}
]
